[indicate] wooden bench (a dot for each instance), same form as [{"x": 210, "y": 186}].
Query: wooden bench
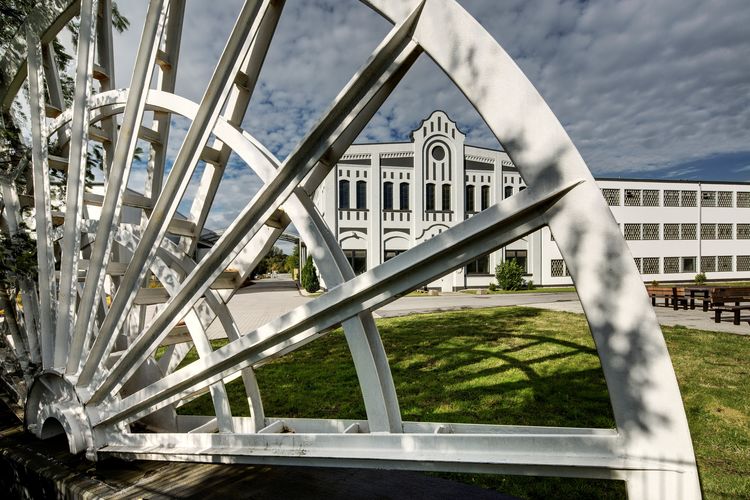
[
  {"x": 731, "y": 299},
  {"x": 672, "y": 295}
]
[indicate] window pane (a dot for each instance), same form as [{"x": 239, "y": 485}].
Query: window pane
[
  {"x": 470, "y": 198},
  {"x": 344, "y": 194},
  {"x": 508, "y": 191},
  {"x": 446, "y": 197},
  {"x": 388, "y": 196},
  {"x": 485, "y": 197},
  {"x": 519, "y": 256},
  {"x": 361, "y": 194},
  {"x": 632, "y": 197},
  {"x": 671, "y": 198},
  {"x": 430, "y": 197},
  {"x": 612, "y": 196},
  {"x": 404, "y": 196},
  {"x": 688, "y": 264}
]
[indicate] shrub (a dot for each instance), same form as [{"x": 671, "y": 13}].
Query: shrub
[
  {"x": 309, "y": 277},
  {"x": 700, "y": 278},
  {"x": 509, "y": 275},
  {"x": 492, "y": 287},
  {"x": 530, "y": 285}
]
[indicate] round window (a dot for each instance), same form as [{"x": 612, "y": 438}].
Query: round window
[{"x": 438, "y": 152}]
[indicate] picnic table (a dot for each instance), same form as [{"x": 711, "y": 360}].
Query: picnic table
[
  {"x": 732, "y": 300},
  {"x": 673, "y": 296},
  {"x": 702, "y": 293}
]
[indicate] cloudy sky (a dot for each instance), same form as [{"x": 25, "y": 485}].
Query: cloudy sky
[{"x": 649, "y": 89}]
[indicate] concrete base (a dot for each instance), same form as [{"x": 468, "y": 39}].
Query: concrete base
[{"x": 31, "y": 468}]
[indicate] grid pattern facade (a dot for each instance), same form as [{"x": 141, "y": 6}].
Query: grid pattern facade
[
  {"x": 724, "y": 199},
  {"x": 671, "y": 265},
  {"x": 651, "y": 231},
  {"x": 637, "y": 263},
  {"x": 688, "y": 231},
  {"x": 632, "y": 197},
  {"x": 688, "y": 198},
  {"x": 743, "y": 199},
  {"x": 672, "y": 231},
  {"x": 724, "y": 263},
  {"x": 724, "y": 231},
  {"x": 650, "y": 197},
  {"x": 743, "y": 263},
  {"x": 557, "y": 268},
  {"x": 612, "y": 196},
  {"x": 708, "y": 199},
  {"x": 743, "y": 231},
  {"x": 708, "y": 264},
  {"x": 651, "y": 265},
  {"x": 632, "y": 231},
  {"x": 708, "y": 231},
  {"x": 671, "y": 198}
]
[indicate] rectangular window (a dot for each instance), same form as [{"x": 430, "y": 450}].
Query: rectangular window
[
  {"x": 557, "y": 268},
  {"x": 651, "y": 265},
  {"x": 688, "y": 264},
  {"x": 724, "y": 263},
  {"x": 519, "y": 256},
  {"x": 743, "y": 231},
  {"x": 743, "y": 199},
  {"x": 637, "y": 263},
  {"x": 708, "y": 264},
  {"x": 485, "y": 197},
  {"x": 357, "y": 259},
  {"x": 708, "y": 199},
  {"x": 671, "y": 198},
  {"x": 361, "y": 195},
  {"x": 612, "y": 196},
  {"x": 724, "y": 199},
  {"x": 429, "y": 197},
  {"x": 743, "y": 263},
  {"x": 671, "y": 265},
  {"x": 689, "y": 198},
  {"x": 724, "y": 231},
  {"x": 403, "y": 196},
  {"x": 343, "y": 195},
  {"x": 388, "y": 196},
  {"x": 446, "y": 197},
  {"x": 632, "y": 231},
  {"x": 651, "y": 231},
  {"x": 470, "y": 198},
  {"x": 632, "y": 197},
  {"x": 479, "y": 266},
  {"x": 688, "y": 231},
  {"x": 708, "y": 231},
  {"x": 671, "y": 231},
  {"x": 650, "y": 197}
]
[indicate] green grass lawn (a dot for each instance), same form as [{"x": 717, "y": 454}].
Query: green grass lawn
[{"x": 519, "y": 366}]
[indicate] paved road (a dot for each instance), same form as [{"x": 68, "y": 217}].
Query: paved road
[{"x": 270, "y": 298}]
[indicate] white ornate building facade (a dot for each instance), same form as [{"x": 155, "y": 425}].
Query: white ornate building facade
[{"x": 382, "y": 199}]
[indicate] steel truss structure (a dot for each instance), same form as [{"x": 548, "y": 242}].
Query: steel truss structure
[{"x": 85, "y": 366}]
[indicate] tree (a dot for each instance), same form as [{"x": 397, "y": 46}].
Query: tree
[
  {"x": 509, "y": 275},
  {"x": 292, "y": 261},
  {"x": 309, "y": 277}
]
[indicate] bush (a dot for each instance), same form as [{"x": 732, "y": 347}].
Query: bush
[
  {"x": 492, "y": 287},
  {"x": 309, "y": 277},
  {"x": 509, "y": 275},
  {"x": 530, "y": 285},
  {"x": 700, "y": 278}
]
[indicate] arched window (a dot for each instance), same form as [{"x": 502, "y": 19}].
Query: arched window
[
  {"x": 508, "y": 191},
  {"x": 388, "y": 196},
  {"x": 429, "y": 203},
  {"x": 485, "y": 197},
  {"x": 470, "y": 198},
  {"x": 404, "y": 196},
  {"x": 446, "y": 197},
  {"x": 361, "y": 195},
  {"x": 521, "y": 188},
  {"x": 344, "y": 194}
]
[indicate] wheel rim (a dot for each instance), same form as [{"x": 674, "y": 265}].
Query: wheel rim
[{"x": 114, "y": 389}]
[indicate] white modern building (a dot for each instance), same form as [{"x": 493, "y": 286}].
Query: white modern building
[{"x": 382, "y": 199}]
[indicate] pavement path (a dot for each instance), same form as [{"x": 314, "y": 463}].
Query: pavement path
[{"x": 268, "y": 299}]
